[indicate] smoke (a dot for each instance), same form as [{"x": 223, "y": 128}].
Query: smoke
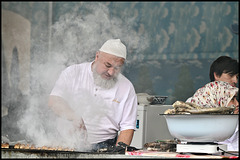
[
  {"x": 44, "y": 128},
  {"x": 79, "y": 35},
  {"x": 75, "y": 38}
]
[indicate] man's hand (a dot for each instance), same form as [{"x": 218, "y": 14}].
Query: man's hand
[
  {"x": 79, "y": 126},
  {"x": 79, "y": 123}
]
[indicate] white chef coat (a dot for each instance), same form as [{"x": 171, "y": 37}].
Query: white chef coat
[{"x": 105, "y": 112}]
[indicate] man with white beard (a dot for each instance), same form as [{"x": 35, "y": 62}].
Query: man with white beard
[{"x": 107, "y": 106}]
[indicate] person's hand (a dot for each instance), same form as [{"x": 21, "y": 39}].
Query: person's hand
[
  {"x": 79, "y": 123},
  {"x": 80, "y": 127}
]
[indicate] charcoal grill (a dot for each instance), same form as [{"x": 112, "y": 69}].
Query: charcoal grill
[
  {"x": 12, "y": 152},
  {"x": 36, "y": 153}
]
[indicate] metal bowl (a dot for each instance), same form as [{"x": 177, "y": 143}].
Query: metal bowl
[
  {"x": 145, "y": 98},
  {"x": 159, "y": 100},
  {"x": 201, "y": 127}
]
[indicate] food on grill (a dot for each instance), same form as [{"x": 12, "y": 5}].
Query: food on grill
[
  {"x": 24, "y": 146},
  {"x": 54, "y": 148},
  {"x": 17, "y": 145},
  {"x": 5, "y": 145},
  {"x": 32, "y": 147},
  {"x": 44, "y": 148},
  {"x": 162, "y": 145},
  {"x": 68, "y": 149},
  {"x": 51, "y": 148},
  {"x": 180, "y": 107}
]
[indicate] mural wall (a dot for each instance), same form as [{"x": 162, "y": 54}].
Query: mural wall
[{"x": 170, "y": 44}]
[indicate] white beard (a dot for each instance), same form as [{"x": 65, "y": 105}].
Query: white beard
[{"x": 104, "y": 83}]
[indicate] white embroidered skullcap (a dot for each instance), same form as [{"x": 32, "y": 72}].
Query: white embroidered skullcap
[{"x": 114, "y": 47}]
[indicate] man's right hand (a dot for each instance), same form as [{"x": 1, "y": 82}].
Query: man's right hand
[
  {"x": 80, "y": 127},
  {"x": 62, "y": 109},
  {"x": 79, "y": 123}
]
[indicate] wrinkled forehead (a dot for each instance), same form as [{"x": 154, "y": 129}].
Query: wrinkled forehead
[{"x": 106, "y": 57}]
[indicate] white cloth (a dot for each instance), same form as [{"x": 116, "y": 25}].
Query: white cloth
[
  {"x": 214, "y": 94},
  {"x": 232, "y": 142},
  {"x": 105, "y": 112}
]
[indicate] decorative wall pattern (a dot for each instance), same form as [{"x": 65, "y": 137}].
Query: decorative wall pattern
[
  {"x": 16, "y": 38},
  {"x": 163, "y": 39}
]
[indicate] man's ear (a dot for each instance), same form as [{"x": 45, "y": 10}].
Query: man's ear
[{"x": 97, "y": 55}]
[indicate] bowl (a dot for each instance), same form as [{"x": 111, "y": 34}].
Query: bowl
[
  {"x": 159, "y": 100},
  {"x": 145, "y": 98},
  {"x": 201, "y": 127}
]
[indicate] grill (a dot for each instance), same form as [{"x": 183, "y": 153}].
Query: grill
[
  {"x": 35, "y": 153},
  {"x": 12, "y": 152}
]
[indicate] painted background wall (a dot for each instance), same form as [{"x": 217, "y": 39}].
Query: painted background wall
[
  {"x": 170, "y": 44},
  {"x": 165, "y": 36}
]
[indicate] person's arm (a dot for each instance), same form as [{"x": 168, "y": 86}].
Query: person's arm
[
  {"x": 62, "y": 109},
  {"x": 125, "y": 136}
]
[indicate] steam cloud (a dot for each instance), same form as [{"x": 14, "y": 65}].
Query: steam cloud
[{"x": 75, "y": 38}]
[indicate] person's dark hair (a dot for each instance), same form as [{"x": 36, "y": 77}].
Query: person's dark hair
[{"x": 223, "y": 64}]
